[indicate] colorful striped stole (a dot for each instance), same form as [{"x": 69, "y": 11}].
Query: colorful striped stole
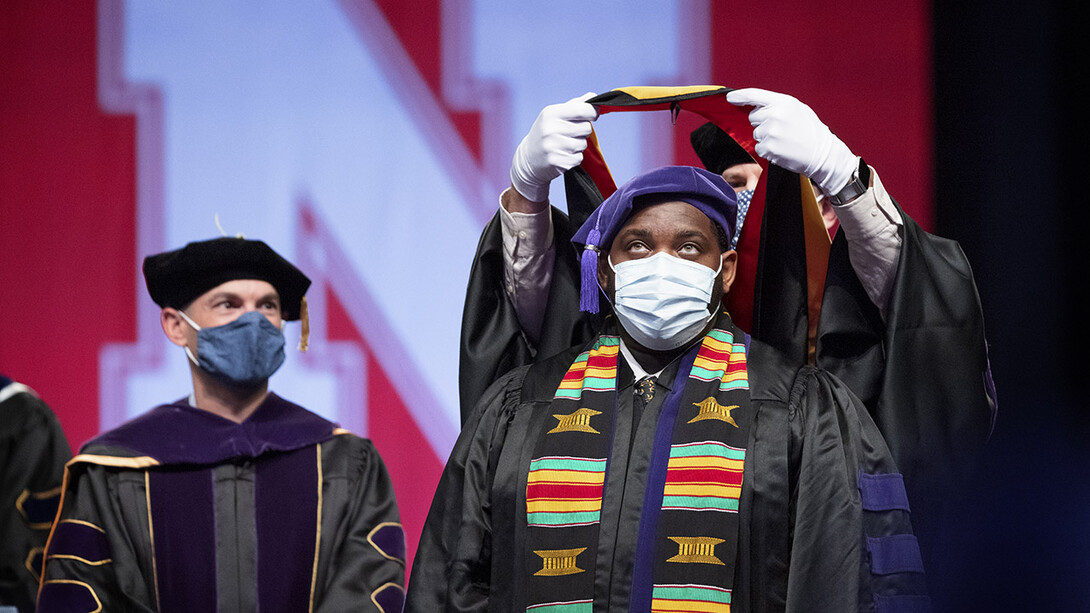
[
  {"x": 564, "y": 491},
  {"x": 704, "y": 476},
  {"x": 688, "y": 529}
]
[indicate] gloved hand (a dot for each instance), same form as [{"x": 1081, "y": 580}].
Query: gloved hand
[
  {"x": 554, "y": 144},
  {"x": 790, "y": 135}
]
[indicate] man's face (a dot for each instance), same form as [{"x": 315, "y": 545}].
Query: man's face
[
  {"x": 743, "y": 176},
  {"x": 676, "y": 228},
  {"x": 222, "y": 305}
]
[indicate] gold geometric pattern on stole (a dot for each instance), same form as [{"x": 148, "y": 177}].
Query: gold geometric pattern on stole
[
  {"x": 579, "y": 421},
  {"x": 696, "y": 550},
  {"x": 710, "y": 409},
  {"x": 559, "y": 562}
]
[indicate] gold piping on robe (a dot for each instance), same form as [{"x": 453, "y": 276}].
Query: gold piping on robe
[
  {"x": 81, "y": 583},
  {"x": 318, "y": 523}
]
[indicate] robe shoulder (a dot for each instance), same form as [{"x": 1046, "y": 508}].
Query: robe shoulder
[
  {"x": 466, "y": 544},
  {"x": 492, "y": 341},
  {"x": 178, "y": 433},
  {"x": 34, "y": 452}
]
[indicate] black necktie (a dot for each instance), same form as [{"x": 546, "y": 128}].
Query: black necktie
[
  {"x": 643, "y": 392},
  {"x": 645, "y": 389}
]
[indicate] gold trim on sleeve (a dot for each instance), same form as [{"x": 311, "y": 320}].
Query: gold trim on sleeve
[
  {"x": 138, "y": 462},
  {"x": 56, "y": 520},
  {"x": 383, "y": 587},
  {"x": 73, "y": 582},
  {"x": 42, "y": 525},
  {"x": 317, "y": 532},
  {"x": 65, "y": 556},
  {"x": 379, "y": 549},
  {"x": 151, "y": 539},
  {"x": 29, "y": 562},
  {"x": 68, "y": 556},
  {"x": 82, "y": 523}
]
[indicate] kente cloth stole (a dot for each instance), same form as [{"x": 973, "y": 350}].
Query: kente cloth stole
[{"x": 688, "y": 530}]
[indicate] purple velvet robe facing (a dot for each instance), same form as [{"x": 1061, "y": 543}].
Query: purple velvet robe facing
[{"x": 181, "y": 510}]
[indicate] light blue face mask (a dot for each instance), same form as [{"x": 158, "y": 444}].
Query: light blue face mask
[
  {"x": 662, "y": 300},
  {"x": 242, "y": 353}
]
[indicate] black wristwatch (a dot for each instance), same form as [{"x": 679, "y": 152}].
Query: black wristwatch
[{"x": 856, "y": 186}]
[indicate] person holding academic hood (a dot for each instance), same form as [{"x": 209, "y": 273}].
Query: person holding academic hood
[
  {"x": 671, "y": 462},
  {"x": 231, "y": 498},
  {"x": 888, "y": 308}
]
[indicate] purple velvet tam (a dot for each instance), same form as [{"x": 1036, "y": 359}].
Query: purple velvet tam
[{"x": 705, "y": 190}]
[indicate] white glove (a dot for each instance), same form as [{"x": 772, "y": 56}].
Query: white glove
[
  {"x": 790, "y": 135},
  {"x": 554, "y": 144}
]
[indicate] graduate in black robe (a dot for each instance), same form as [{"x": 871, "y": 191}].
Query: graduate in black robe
[
  {"x": 233, "y": 499},
  {"x": 920, "y": 366},
  {"x": 33, "y": 451},
  {"x": 734, "y": 480}
]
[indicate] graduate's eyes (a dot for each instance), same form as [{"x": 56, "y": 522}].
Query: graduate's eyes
[
  {"x": 637, "y": 247},
  {"x": 691, "y": 250}
]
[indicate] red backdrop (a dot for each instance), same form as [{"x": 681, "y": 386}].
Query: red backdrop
[{"x": 68, "y": 184}]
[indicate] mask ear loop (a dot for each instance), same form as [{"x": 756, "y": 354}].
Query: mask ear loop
[
  {"x": 189, "y": 321},
  {"x": 193, "y": 324}
]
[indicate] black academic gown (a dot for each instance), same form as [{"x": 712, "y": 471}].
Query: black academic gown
[
  {"x": 182, "y": 510},
  {"x": 923, "y": 373},
  {"x": 33, "y": 451},
  {"x": 806, "y": 542}
]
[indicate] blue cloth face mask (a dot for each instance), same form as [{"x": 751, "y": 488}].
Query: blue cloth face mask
[
  {"x": 242, "y": 353},
  {"x": 744, "y": 198}
]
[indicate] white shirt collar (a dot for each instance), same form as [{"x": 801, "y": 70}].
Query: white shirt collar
[{"x": 637, "y": 371}]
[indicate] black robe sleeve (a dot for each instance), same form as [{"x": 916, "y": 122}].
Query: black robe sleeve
[
  {"x": 93, "y": 560},
  {"x": 818, "y": 533},
  {"x": 452, "y": 570},
  {"x": 364, "y": 545},
  {"x": 492, "y": 341},
  {"x": 101, "y": 552},
  {"x": 33, "y": 451},
  {"x": 923, "y": 373}
]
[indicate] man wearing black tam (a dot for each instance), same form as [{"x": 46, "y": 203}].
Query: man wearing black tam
[
  {"x": 719, "y": 153},
  {"x": 232, "y": 499},
  {"x": 671, "y": 463}
]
